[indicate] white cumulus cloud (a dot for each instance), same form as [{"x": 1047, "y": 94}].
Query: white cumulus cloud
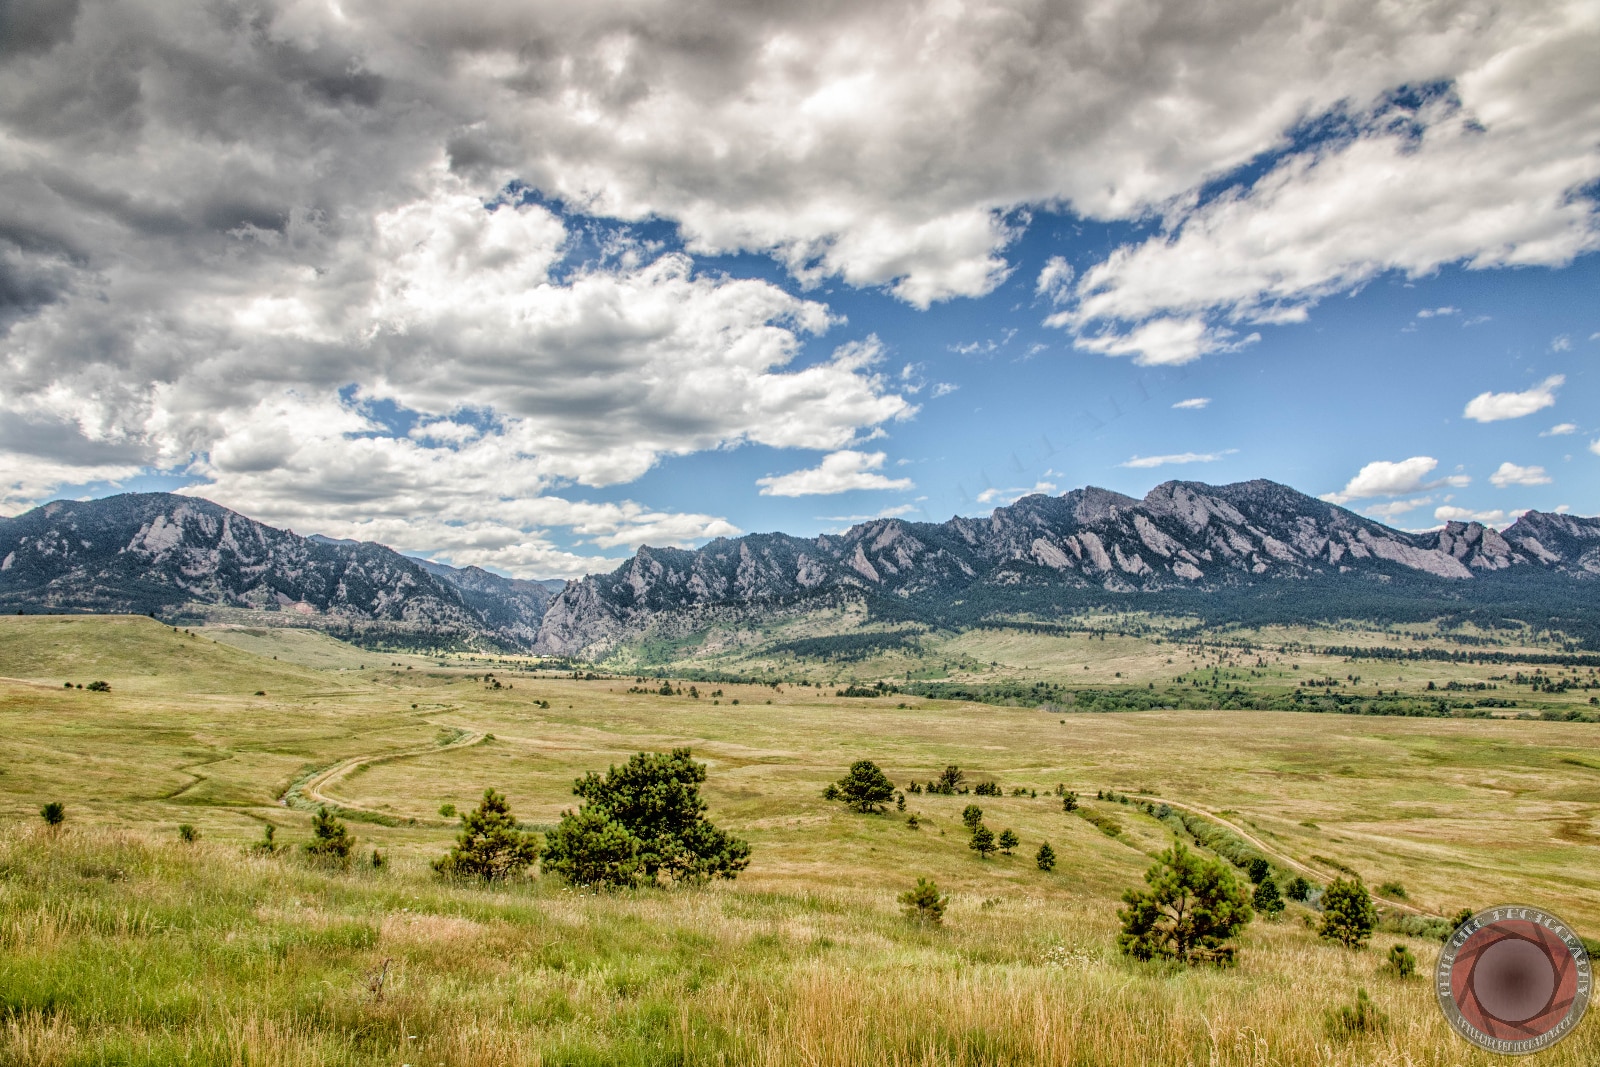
[
  {"x": 1560, "y": 429},
  {"x": 1394, "y": 478},
  {"x": 1495, "y": 407},
  {"x": 1496, "y": 517},
  {"x": 1194, "y": 403},
  {"x": 839, "y": 472},
  {"x": 1510, "y": 474}
]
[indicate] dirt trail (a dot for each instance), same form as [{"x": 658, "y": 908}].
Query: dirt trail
[
  {"x": 1276, "y": 853},
  {"x": 315, "y": 788}
]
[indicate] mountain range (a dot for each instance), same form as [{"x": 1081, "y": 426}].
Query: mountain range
[
  {"x": 178, "y": 556},
  {"x": 1251, "y": 551}
]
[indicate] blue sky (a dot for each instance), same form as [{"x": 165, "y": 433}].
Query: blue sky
[{"x": 676, "y": 275}]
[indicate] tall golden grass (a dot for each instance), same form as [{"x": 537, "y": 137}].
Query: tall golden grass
[{"x": 116, "y": 948}]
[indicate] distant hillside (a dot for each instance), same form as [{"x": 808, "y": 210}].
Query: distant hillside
[
  {"x": 167, "y": 554},
  {"x": 1252, "y": 551}
]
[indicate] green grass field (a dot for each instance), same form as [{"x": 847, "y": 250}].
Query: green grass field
[{"x": 124, "y": 945}]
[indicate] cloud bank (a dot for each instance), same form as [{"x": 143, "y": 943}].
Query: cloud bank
[{"x": 357, "y": 262}]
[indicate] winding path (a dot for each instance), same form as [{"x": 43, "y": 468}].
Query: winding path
[
  {"x": 314, "y": 789},
  {"x": 1276, "y": 853}
]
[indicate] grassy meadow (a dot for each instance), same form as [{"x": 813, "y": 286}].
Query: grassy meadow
[{"x": 124, "y": 945}]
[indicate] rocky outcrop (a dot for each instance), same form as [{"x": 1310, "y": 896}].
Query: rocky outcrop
[{"x": 1182, "y": 535}]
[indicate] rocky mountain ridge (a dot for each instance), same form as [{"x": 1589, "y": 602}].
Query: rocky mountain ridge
[
  {"x": 1181, "y": 536},
  {"x": 164, "y": 553},
  {"x": 168, "y": 554}
]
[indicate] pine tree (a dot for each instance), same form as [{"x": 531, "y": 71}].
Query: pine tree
[
  {"x": 1008, "y": 841},
  {"x": 1069, "y": 802},
  {"x": 982, "y": 841},
  {"x": 1298, "y": 889},
  {"x": 1258, "y": 868},
  {"x": 865, "y": 788},
  {"x": 591, "y": 848},
  {"x": 1046, "y": 859},
  {"x": 1266, "y": 899},
  {"x": 1190, "y": 911},
  {"x": 53, "y": 813},
  {"x": 923, "y": 904},
  {"x": 489, "y": 847},
  {"x": 330, "y": 839},
  {"x": 971, "y": 816},
  {"x": 1348, "y": 915},
  {"x": 655, "y": 797}
]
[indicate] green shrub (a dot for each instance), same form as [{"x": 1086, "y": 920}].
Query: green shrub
[
  {"x": 987, "y": 789},
  {"x": 1258, "y": 868},
  {"x": 187, "y": 833},
  {"x": 1069, "y": 802},
  {"x": 490, "y": 847},
  {"x": 1189, "y": 911},
  {"x": 1354, "y": 1020},
  {"x": 923, "y": 904},
  {"x": 1401, "y": 962},
  {"x": 53, "y": 813},
  {"x": 448, "y": 810},
  {"x": 1298, "y": 889},
  {"x": 98, "y": 687},
  {"x": 1393, "y": 889},
  {"x": 268, "y": 844},
  {"x": 331, "y": 841},
  {"x": 1348, "y": 916}
]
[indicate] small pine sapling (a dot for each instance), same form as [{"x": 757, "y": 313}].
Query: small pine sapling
[
  {"x": 53, "y": 813},
  {"x": 1008, "y": 841},
  {"x": 971, "y": 816},
  {"x": 1267, "y": 900},
  {"x": 1402, "y": 964},
  {"x": 187, "y": 833},
  {"x": 923, "y": 904},
  {"x": 982, "y": 841},
  {"x": 490, "y": 847},
  {"x": 1046, "y": 858},
  {"x": 331, "y": 841}
]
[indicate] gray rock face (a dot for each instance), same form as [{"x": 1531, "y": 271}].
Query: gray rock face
[{"x": 1181, "y": 535}]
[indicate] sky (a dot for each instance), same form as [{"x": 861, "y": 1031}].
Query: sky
[{"x": 525, "y": 285}]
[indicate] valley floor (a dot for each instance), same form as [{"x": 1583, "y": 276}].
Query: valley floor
[{"x": 124, "y": 944}]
